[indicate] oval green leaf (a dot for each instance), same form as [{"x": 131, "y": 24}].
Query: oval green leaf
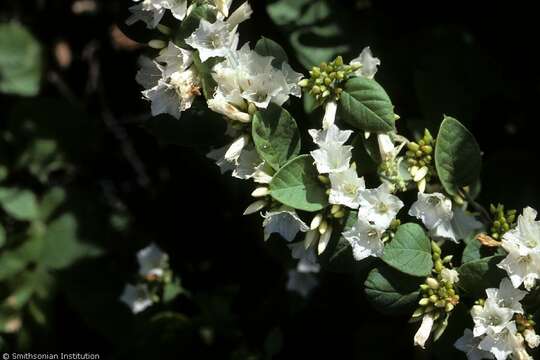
[
  {"x": 297, "y": 185},
  {"x": 478, "y": 275},
  {"x": 20, "y": 204},
  {"x": 365, "y": 105},
  {"x": 275, "y": 135},
  {"x": 390, "y": 291},
  {"x": 409, "y": 251},
  {"x": 268, "y": 47},
  {"x": 457, "y": 156}
]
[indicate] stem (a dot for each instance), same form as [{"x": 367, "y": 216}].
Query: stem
[{"x": 476, "y": 205}]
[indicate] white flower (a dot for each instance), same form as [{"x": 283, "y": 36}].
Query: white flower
[
  {"x": 152, "y": 261},
  {"x": 503, "y": 343},
  {"x": 533, "y": 340},
  {"x": 424, "y": 331},
  {"x": 175, "y": 59},
  {"x": 223, "y": 6},
  {"x": 469, "y": 345},
  {"x": 151, "y": 11},
  {"x": 285, "y": 222},
  {"x": 301, "y": 282},
  {"x": 245, "y": 76},
  {"x": 450, "y": 275},
  {"x": 221, "y": 105},
  {"x": 218, "y": 155},
  {"x": 213, "y": 39},
  {"x": 136, "y": 297},
  {"x": 150, "y": 17},
  {"x": 379, "y": 206},
  {"x": 365, "y": 240},
  {"x": 523, "y": 246},
  {"x": 149, "y": 74},
  {"x": 330, "y": 135},
  {"x": 492, "y": 318},
  {"x": 435, "y": 211},
  {"x": 507, "y": 296},
  {"x": 168, "y": 94},
  {"x": 346, "y": 187},
  {"x": 332, "y": 158},
  {"x": 368, "y": 64},
  {"x": 241, "y": 14}
]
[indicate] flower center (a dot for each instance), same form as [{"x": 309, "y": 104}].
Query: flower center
[
  {"x": 381, "y": 208},
  {"x": 350, "y": 189}
]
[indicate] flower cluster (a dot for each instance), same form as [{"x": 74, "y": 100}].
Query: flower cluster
[
  {"x": 154, "y": 273},
  {"x": 503, "y": 220},
  {"x": 500, "y": 327},
  {"x": 439, "y": 297},
  {"x": 523, "y": 247},
  {"x": 321, "y": 195}
]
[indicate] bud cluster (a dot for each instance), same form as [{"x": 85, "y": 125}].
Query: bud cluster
[
  {"x": 390, "y": 170},
  {"x": 524, "y": 322},
  {"x": 420, "y": 159},
  {"x": 439, "y": 293},
  {"x": 326, "y": 79},
  {"x": 502, "y": 221}
]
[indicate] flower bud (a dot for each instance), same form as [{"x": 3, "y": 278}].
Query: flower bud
[
  {"x": 423, "y": 302},
  {"x": 323, "y": 227},
  {"x": 449, "y": 307},
  {"x": 254, "y": 207},
  {"x": 260, "y": 192},
  {"x": 303, "y": 83},
  {"x": 432, "y": 283},
  {"x": 316, "y": 222},
  {"x": 157, "y": 44}
]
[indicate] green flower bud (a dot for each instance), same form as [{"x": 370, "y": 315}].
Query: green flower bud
[
  {"x": 423, "y": 302},
  {"x": 303, "y": 83},
  {"x": 434, "y": 298},
  {"x": 449, "y": 307}
]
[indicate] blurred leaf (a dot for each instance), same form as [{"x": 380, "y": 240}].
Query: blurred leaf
[
  {"x": 2, "y": 236},
  {"x": 365, "y": 105},
  {"x": 273, "y": 343},
  {"x": 391, "y": 291},
  {"x": 62, "y": 246},
  {"x": 297, "y": 185},
  {"x": 275, "y": 135},
  {"x": 409, "y": 251},
  {"x": 172, "y": 290},
  {"x": 20, "y": 61},
  {"x": 21, "y": 204},
  {"x": 204, "y": 70},
  {"x": 13, "y": 261},
  {"x": 314, "y": 31},
  {"x": 50, "y": 202},
  {"x": 457, "y": 156}
]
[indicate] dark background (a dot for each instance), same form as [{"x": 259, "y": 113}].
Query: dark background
[{"x": 478, "y": 64}]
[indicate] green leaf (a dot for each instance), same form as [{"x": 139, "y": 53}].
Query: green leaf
[
  {"x": 268, "y": 47},
  {"x": 21, "y": 204},
  {"x": 390, "y": 291},
  {"x": 275, "y": 135},
  {"x": 365, "y": 105},
  {"x": 457, "y": 156},
  {"x": 204, "y": 70},
  {"x": 409, "y": 251},
  {"x": 297, "y": 185},
  {"x": 62, "y": 246},
  {"x": 20, "y": 61},
  {"x": 477, "y": 275}
]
